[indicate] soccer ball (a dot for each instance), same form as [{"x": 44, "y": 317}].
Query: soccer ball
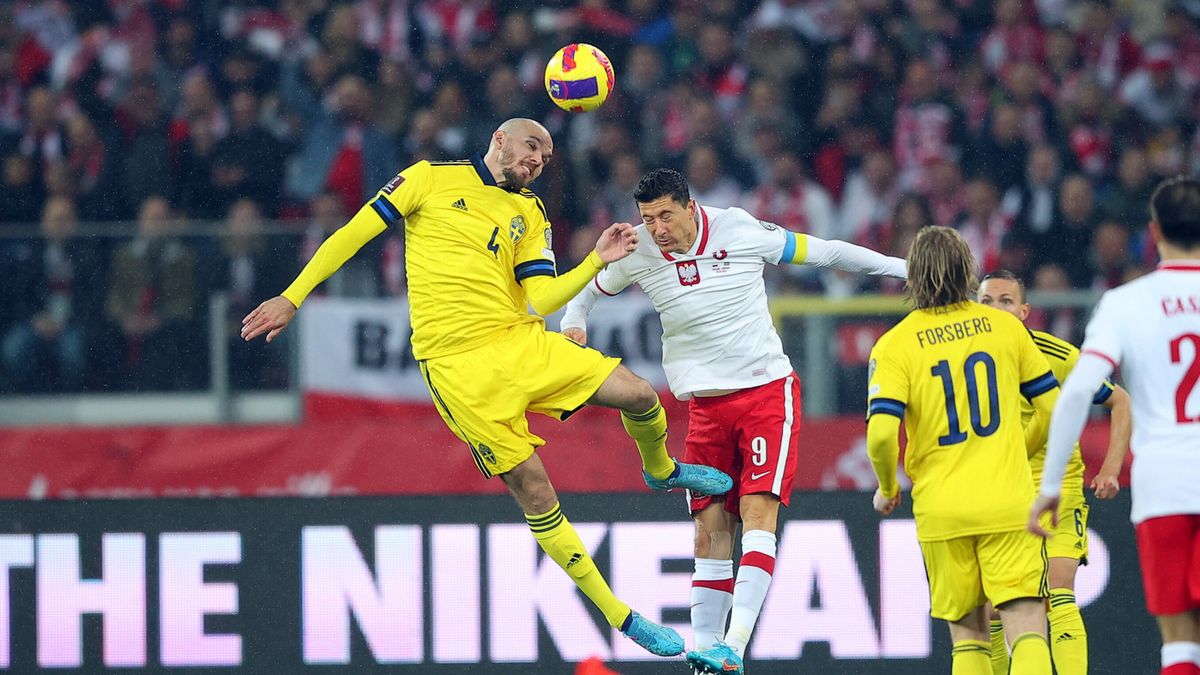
[{"x": 579, "y": 78}]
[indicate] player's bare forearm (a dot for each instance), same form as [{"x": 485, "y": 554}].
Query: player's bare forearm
[
  {"x": 1106, "y": 483},
  {"x": 883, "y": 448},
  {"x": 1039, "y": 425}
]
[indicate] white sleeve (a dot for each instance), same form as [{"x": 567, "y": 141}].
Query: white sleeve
[
  {"x": 1070, "y": 414},
  {"x": 610, "y": 281},
  {"x": 847, "y": 257},
  {"x": 1103, "y": 335}
]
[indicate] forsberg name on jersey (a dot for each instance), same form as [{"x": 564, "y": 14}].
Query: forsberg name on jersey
[{"x": 959, "y": 330}]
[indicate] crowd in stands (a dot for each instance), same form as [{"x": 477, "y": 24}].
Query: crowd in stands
[{"x": 235, "y": 134}]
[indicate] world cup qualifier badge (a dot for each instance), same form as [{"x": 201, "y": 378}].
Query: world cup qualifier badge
[
  {"x": 393, "y": 184},
  {"x": 516, "y": 228}
]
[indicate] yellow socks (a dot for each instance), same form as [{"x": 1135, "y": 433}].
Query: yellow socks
[
  {"x": 999, "y": 649},
  {"x": 1068, "y": 638},
  {"x": 1030, "y": 655},
  {"x": 971, "y": 658},
  {"x": 560, "y": 541},
  {"x": 649, "y": 431}
]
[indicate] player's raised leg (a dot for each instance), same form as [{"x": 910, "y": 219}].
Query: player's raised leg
[
  {"x": 646, "y": 422},
  {"x": 530, "y": 486}
]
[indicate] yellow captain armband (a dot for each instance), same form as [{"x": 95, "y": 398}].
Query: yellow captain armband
[{"x": 795, "y": 249}]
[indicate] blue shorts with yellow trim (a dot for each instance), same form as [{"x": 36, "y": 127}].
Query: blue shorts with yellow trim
[
  {"x": 966, "y": 572},
  {"x": 484, "y": 394}
]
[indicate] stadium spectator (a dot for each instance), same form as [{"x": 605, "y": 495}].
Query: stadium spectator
[
  {"x": 251, "y": 264},
  {"x": 929, "y": 128},
  {"x": 1000, "y": 154},
  {"x": 21, "y": 194},
  {"x": 54, "y": 287},
  {"x": 793, "y": 201},
  {"x": 1072, "y": 231},
  {"x": 343, "y": 151},
  {"x": 983, "y": 224},
  {"x": 144, "y": 153},
  {"x": 1157, "y": 93},
  {"x": 1109, "y": 255},
  {"x": 870, "y": 196},
  {"x": 153, "y": 302},
  {"x": 1032, "y": 203},
  {"x": 248, "y": 162},
  {"x": 1125, "y": 202},
  {"x": 95, "y": 171},
  {"x": 708, "y": 182}
]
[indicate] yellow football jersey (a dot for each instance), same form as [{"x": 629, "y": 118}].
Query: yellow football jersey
[
  {"x": 1062, "y": 356},
  {"x": 468, "y": 244},
  {"x": 956, "y": 376}
]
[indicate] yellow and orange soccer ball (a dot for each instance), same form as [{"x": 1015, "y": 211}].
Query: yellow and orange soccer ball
[{"x": 579, "y": 78}]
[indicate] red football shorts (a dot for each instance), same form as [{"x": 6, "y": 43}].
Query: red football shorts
[
  {"x": 753, "y": 435},
  {"x": 1169, "y": 548}
]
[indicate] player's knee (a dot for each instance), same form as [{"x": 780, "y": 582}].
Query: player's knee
[{"x": 642, "y": 396}]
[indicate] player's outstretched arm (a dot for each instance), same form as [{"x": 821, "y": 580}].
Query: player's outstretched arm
[
  {"x": 1066, "y": 424},
  {"x": 839, "y": 255},
  {"x": 272, "y": 316},
  {"x": 1106, "y": 483},
  {"x": 548, "y": 294},
  {"x": 883, "y": 447}
]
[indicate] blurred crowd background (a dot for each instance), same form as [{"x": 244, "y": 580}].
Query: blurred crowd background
[{"x": 157, "y": 151}]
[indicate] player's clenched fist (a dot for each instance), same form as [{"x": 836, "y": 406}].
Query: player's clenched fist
[
  {"x": 271, "y": 318},
  {"x": 885, "y": 505},
  {"x": 616, "y": 242}
]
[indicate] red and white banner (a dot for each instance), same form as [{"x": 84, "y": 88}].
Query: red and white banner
[
  {"x": 408, "y": 450},
  {"x": 361, "y": 348}
]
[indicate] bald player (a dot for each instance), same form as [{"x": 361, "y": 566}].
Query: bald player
[{"x": 478, "y": 255}]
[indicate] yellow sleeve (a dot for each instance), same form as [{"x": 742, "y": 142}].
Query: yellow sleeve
[
  {"x": 334, "y": 252},
  {"x": 887, "y": 397},
  {"x": 1039, "y": 387},
  {"x": 402, "y": 195},
  {"x": 547, "y": 294},
  {"x": 405, "y": 193}
]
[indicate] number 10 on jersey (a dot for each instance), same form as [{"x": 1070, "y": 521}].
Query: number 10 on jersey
[{"x": 971, "y": 374}]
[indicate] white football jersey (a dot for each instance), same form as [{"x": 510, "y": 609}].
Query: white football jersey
[
  {"x": 717, "y": 329},
  {"x": 1150, "y": 328}
]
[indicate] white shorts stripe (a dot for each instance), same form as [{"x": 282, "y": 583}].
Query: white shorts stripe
[{"x": 787, "y": 437}]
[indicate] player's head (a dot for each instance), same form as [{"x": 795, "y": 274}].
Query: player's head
[
  {"x": 941, "y": 269},
  {"x": 1175, "y": 213},
  {"x": 667, "y": 209},
  {"x": 520, "y": 149},
  {"x": 1004, "y": 290}
]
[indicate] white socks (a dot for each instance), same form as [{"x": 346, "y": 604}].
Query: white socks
[
  {"x": 1180, "y": 652},
  {"x": 712, "y": 596},
  {"x": 753, "y": 580}
]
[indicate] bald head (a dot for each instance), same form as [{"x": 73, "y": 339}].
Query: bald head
[{"x": 519, "y": 150}]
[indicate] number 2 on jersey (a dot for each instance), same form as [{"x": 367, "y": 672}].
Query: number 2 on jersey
[
  {"x": 1184, "y": 390},
  {"x": 955, "y": 433}
]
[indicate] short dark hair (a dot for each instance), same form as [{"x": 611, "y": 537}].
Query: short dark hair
[
  {"x": 1175, "y": 206},
  {"x": 1006, "y": 275},
  {"x": 662, "y": 183}
]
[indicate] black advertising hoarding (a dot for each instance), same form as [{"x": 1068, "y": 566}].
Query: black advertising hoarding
[{"x": 454, "y": 584}]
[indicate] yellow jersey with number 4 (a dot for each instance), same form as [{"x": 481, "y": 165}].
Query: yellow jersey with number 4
[
  {"x": 468, "y": 244},
  {"x": 956, "y": 376}
]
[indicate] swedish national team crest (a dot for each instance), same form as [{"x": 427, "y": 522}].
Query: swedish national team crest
[
  {"x": 689, "y": 272},
  {"x": 486, "y": 453},
  {"x": 516, "y": 228}
]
